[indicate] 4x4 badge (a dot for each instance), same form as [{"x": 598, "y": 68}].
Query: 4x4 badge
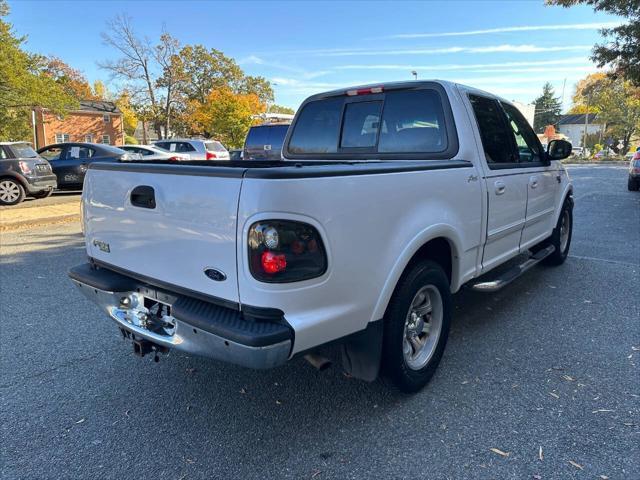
[{"x": 103, "y": 246}]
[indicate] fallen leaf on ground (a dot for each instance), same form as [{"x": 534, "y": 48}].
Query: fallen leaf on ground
[
  {"x": 81, "y": 420},
  {"x": 499, "y": 452},
  {"x": 568, "y": 378},
  {"x": 602, "y": 410},
  {"x": 278, "y": 402},
  {"x": 315, "y": 473},
  {"x": 604, "y": 477},
  {"x": 540, "y": 454},
  {"x": 577, "y": 465},
  {"x": 554, "y": 395},
  {"x": 243, "y": 391}
]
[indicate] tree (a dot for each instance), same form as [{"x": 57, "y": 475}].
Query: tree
[
  {"x": 24, "y": 85},
  {"x": 136, "y": 66},
  {"x": 281, "y": 109},
  {"x": 226, "y": 116},
  {"x": 617, "y": 103},
  {"x": 72, "y": 81},
  {"x": 621, "y": 52},
  {"x": 129, "y": 116},
  {"x": 548, "y": 108},
  {"x": 260, "y": 86}
]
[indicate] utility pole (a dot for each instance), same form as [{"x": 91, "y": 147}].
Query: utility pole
[{"x": 586, "y": 125}]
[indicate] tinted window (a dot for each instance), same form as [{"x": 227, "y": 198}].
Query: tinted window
[
  {"x": 51, "y": 153},
  {"x": 163, "y": 145},
  {"x": 214, "y": 147},
  {"x": 525, "y": 137},
  {"x": 182, "y": 147},
  {"x": 413, "y": 122},
  {"x": 276, "y": 136},
  {"x": 360, "y": 125},
  {"x": 257, "y": 137},
  {"x": 317, "y": 127},
  {"x": 493, "y": 130},
  {"x": 23, "y": 150}
]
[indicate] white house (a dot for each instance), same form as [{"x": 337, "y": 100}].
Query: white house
[{"x": 573, "y": 127}]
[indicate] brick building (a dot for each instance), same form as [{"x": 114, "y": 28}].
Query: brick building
[{"x": 97, "y": 122}]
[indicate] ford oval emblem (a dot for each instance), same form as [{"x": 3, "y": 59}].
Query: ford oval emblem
[{"x": 215, "y": 274}]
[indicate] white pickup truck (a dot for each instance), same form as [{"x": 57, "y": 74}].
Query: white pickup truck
[{"x": 388, "y": 200}]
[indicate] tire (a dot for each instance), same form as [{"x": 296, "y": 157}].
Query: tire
[
  {"x": 43, "y": 194},
  {"x": 410, "y": 369},
  {"x": 11, "y": 191},
  {"x": 559, "y": 239},
  {"x": 632, "y": 185}
]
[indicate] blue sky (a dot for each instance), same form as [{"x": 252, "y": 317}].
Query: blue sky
[{"x": 508, "y": 47}]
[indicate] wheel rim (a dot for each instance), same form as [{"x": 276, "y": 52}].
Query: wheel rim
[
  {"x": 422, "y": 327},
  {"x": 565, "y": 227},
  {"x": 9, "y": 191}
]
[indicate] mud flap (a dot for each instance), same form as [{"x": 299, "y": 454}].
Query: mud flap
[{"x": 361, "y": 352}]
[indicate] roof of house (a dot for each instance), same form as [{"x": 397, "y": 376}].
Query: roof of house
[
  {"x": 578, "y": 119},
  {"x": 98, "y": 107}
]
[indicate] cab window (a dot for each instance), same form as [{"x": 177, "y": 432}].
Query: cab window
[
  {"x": 77, "y": 152},
  {"x": 494, "y": 132},
  {"x": 529, "y": 149}
]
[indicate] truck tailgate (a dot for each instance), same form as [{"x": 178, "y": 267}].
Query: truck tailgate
[{"x": 191, "y": 227}]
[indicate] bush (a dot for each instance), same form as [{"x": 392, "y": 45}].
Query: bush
[{"x": 129, "y": 140}]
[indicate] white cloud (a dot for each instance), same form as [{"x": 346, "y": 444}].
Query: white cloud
[
  {"x": 474, "y": 66},
  {"x": 255, "y": 60},
  {"x": 522, "y": 28},
  {"x": 445, "y": 50}
]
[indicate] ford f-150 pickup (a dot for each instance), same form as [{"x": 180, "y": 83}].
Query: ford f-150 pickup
[{"x": 388, "y": 200}]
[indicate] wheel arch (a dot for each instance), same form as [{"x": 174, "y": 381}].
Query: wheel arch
[
  {"x": 567, "y": 193},
  {"x": 14, "y": 176},
  {"x": 441, "y": 244}
]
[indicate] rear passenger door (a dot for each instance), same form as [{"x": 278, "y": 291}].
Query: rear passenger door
[
  {"x": 506, "y": 183},
  {"x": 542, "y": 179}
]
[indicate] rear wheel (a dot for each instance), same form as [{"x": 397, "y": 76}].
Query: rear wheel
[
  {"x": 11, "y": 191},
  {"x": 416, "y": 327},
  {"x": 632, "y": 184}
]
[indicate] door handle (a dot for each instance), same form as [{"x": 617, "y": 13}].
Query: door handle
[
  {"x": 533, "y": 181},
  {"x": 500, "y": 187},
  {"x": 143, "y": 196},
  {"x": 267, "y": 147}
]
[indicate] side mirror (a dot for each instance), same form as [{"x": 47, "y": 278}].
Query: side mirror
[{"x": 558, "y": 149}]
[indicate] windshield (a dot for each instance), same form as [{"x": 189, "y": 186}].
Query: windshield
[{"x": 24, "y": 150}]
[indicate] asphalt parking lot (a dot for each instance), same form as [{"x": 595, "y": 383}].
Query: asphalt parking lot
[{"x": 546, "y": 373}]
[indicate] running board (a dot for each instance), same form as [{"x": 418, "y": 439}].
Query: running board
[{"x": 510, "y": 275}]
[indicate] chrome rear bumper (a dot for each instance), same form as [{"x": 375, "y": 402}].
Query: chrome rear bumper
[{"x": 186, "y": 337}]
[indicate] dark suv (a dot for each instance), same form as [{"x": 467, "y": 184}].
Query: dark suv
[
  {"x": 264, "y": 142},
  {"x": 22, "y": 173}
]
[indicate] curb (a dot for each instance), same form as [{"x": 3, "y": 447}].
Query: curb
[{"x": 36, "y": 222}]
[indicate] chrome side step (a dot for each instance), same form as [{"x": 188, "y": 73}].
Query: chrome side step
[{"x": 510, "y": 275}]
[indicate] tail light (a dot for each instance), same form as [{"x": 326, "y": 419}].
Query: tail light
[
  {"x": 175, "y": 159},
  {"x": 283, "y": 251},
  {"x": 25, "y": 167},
  {"x": 365, "y": 91},
  {"x": 211, "y": 156}
]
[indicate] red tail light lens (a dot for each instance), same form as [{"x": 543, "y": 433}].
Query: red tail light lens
[
  {"x": 211, "y": 156},
  {"x": 282, "y": 251}
]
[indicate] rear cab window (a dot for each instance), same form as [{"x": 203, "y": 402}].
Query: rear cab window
[{"x": 401, "y": 123}]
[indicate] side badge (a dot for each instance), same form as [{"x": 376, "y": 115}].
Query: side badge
[{"x": 215, "y": 275}]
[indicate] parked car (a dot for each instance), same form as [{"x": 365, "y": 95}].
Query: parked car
[
  {"x": 634, "y": 172},
  {"x": 70, "y": 161},
  {"x": 235, "y": 155},
  {"x": 264, "y": 142},
  {"x": 148, "y": 152},
  {"x": 22, "y": 173},
  {"x": 577, "y": 151},
  {"x": 196, "y": 149},
  {"x": 388, "y": 200}
]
